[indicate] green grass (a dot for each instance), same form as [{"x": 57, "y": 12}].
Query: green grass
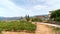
[
  {"x": 57, "y": 30},
  {"x": 17, "y": 26}
]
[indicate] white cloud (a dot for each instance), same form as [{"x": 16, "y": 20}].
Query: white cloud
[
  {"x": 8, "y": 8},
  {"x": 11, "y": 9},
  {"x": 38, "y": 10},
  {"x": 53, "y": 4},
  {"x": 48, "y": 5},
  {"x": 39, "y": 7}
]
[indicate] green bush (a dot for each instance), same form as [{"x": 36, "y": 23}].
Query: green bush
[
  {"x": 30, "y": 27},
  {"x": 57, "y": 19},
  {"x": 36, "y": 20},
  {"x": 17, "y": 26}
]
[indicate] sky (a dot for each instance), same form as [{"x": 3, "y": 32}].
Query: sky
[{"x": 17, "y": 8}]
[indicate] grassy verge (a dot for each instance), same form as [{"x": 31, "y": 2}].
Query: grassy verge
[{"x": 56, "y": 30}]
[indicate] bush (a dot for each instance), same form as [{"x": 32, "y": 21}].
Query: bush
[
  {"x": 17, "y": 26},
  {"x": 57, "y": 19},
  {"x": 30, "y": 27},
  {"x": 36, "y": 20},
  {"x": 46, "y": 21}
]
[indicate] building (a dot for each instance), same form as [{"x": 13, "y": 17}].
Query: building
[{"x": 49, "y": 14}]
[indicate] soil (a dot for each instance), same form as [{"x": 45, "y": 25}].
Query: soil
[{"x": 43, "y": 29}]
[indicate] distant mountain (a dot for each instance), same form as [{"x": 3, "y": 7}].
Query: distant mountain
[
  {"x": 17, "y": 18},
  {"x": 1, "y": 18},
  {"x": 9, "y": 18}
]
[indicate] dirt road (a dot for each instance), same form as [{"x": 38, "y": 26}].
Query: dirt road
[{"x": 43, "y": 29}]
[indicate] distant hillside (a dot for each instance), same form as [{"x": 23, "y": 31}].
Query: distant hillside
[
  {"x": 17, "y": 18},
  {"x": 40, "y": 15},
  {"x": 9, "y": 18}
]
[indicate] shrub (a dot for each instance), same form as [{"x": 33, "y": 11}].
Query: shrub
[
  {"x": 17, "y": 26},
  {"x": 30, "y": 27},
  {"x": 57, "y": 19},
  {"x": 36, "y": 20}
]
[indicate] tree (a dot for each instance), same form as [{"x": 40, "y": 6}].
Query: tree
[
  {"x": 55, "y": 15},
  {"x": 27, "y": 17}
]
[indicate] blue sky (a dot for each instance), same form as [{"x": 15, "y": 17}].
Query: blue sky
[{"x": 15, "y": 8}]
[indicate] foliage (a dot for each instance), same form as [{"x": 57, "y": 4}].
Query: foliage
[
  {"x": 56, "y": 15},
  {"x": 36, "y": 20},
  {"x": 27, "y": 17},
  {"x": 57, "y": 19},
  {"x": 46, "y": 21},
  {"x": 57, "y": 30},
  {"x": 17, "y": 26}
]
